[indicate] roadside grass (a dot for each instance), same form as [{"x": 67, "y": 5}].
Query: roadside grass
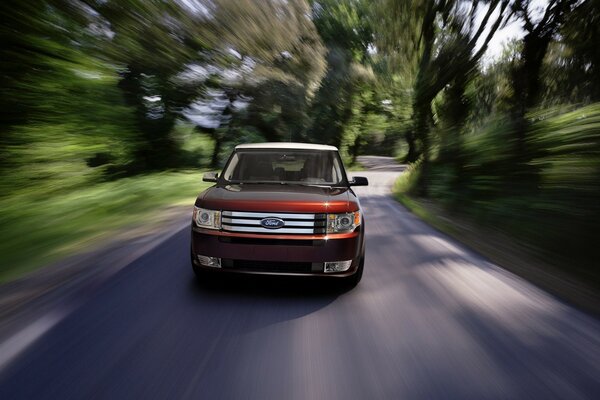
[
  {"x": 422, "y": 208},
  {"x": 38, "y": 229},
  {"x": 418, "y": 208}
]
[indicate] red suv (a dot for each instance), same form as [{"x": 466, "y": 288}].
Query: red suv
[{"x": 283, "y": 209}]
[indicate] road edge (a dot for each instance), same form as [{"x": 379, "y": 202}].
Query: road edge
[
  {"x": 507, "y": 254},
  {"x": 52, "y": 293}
]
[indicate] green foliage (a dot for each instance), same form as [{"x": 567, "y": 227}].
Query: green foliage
[
  {"x": 346, "y": 31},
  {"x": 561, "y": 215},
  {"x": 407, "y": 182},
  {"x": 38, "y": 228},
  {"x": 196, "y": 148},
  {"x": 77, "y": 130},
  {"x": 571, "y": 71}
]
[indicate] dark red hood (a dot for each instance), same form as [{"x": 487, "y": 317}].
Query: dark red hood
[{"x": 281, "y": 198}]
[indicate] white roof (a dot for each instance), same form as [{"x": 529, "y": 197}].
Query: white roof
[{"x": 286, "y": 145}]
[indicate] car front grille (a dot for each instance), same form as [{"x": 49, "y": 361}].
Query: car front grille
[
  {"x": 250, "y": 222},
  {"x": 272, "y": 242}
]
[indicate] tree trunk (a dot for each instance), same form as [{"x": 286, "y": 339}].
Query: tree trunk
[
  {"x": 526, "y": 81},
  {"x": 355, "y": 148},
  {"x": 214, "y": 162},
  {"x": 412, "y": 154}
]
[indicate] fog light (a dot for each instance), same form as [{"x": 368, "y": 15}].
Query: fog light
[
  {"x": 209, "y": 261},
  {"x": 337, "y": 266}
]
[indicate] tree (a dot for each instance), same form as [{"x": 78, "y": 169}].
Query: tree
[
  {"x": 443, "y": 41},
  {"x": 152, "y": 42},
  {"x": 173, "y": 52},
  {"x": 526, "y": 74},
  {"x": 36, "y": 37},
  {"x": 571, "y": 68},
  {"x": 279, "y": 63},
  {"x": 346, "y": 31}
]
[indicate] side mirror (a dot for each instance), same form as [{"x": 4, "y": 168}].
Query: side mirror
[
  {"x": 210, "y": 177},
  {"x": 359, "y": 181}
]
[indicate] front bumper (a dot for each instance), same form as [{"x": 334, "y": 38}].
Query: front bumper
[{"x": 300, "y": 255}]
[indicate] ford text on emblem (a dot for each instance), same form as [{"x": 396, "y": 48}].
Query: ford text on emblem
[{"x": 272, "y": 223}]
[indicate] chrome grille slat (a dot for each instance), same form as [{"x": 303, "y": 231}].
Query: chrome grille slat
[
  {"x": 294, "y": 223},
  {"x": 264, "y": 230},
  {"x": 261, "y": 215},
  {"x": 248, "y": 221}
]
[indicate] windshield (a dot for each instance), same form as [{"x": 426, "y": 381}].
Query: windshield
[{"x": 315, "y": 167}]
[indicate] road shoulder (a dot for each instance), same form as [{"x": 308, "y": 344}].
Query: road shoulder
[
  {"x": 508, "y": 254},
  {"x": 61, "y": 287}
]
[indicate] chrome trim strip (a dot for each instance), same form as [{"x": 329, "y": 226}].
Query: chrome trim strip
[
  {"x": 275, "y": 215},
  {"x": 260, "y": 229},
  {"x": 256, "y": 222}
]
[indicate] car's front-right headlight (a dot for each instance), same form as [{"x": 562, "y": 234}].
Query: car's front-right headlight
[{"x": 209, "y": 219}]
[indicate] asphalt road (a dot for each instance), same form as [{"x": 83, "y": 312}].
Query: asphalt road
[{"x": 430, "y": 319}]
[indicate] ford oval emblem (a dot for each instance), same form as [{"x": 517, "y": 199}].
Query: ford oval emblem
[{"x": 272, "y": 223}]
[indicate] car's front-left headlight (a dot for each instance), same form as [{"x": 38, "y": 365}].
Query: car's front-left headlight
[
  {"x": 209, "y": 219},
  {"x": 343, "y": 223}
]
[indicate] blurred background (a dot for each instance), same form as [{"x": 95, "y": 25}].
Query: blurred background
[{"x": 110, "y": 109}]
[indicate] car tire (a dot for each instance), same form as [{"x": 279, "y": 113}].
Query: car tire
[
  {"x": 353, "y": 280},
  {"x": 200, "y": 273}
]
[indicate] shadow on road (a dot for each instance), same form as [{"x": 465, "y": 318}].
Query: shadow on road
[
  {"x": 260, "y": 286},
  {"x": 256, "y": 302}
]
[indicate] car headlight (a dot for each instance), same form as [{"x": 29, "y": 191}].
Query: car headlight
[
  {"x": 209, "y": 219},
  {"x": 339, "y": 223}
]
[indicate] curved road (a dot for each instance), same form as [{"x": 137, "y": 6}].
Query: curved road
[{"x": 430, "y": 320}]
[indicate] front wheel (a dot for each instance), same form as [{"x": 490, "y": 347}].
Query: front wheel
[
  {"x": 201, "y": 275},
  {"x": 353, "y": 280}
]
